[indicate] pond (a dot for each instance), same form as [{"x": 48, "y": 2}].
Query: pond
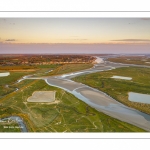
[
  {"x": 121, "y": 77},
  {"x": 4, "y": 74},
  {"x": 137, "y": 97}
]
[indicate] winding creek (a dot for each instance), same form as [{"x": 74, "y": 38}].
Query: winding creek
[
  {"x": 99, "y": 100},
  {"x": 93, "y": 97}
]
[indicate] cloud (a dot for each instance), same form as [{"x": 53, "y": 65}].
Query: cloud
[
  {"x": 132, "y": 40},
  {"x": 10, "y": 40}
]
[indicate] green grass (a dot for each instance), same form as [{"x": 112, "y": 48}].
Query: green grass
[
  {"x": 20, "y": 67},
  {"x": 16, "y": 75},
  {"x": 10, "y": 80},
  {"x": 9, "y": 127},
  {"x": 69, "y": 115},
  {"x": 117, "y": 88},
  {"x": 67, "y": 68},
  {"x": 51, "y": 66},
  {"x": 26, "y": 67},
  {"x": 131, "y": 60}
]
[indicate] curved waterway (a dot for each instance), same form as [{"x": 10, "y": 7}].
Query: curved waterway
[
  {"x": 99, "y": 100},
  {"x": 18, "y": 120},
  {"x": 93, "y": 97}
]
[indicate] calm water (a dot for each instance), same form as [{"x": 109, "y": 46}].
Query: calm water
[
  {"x": 3, "y": 74},
  {"x": 137, "y": 97},
  {"x": 121, "y": 77}
]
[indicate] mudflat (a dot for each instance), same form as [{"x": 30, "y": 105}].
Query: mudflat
[{"x": 100, "y": 100}]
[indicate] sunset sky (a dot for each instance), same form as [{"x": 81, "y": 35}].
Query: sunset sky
[{"x": 74, "y": 35}]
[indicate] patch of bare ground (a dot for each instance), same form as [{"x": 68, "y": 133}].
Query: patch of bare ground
[{"x": 42, "y": 96}]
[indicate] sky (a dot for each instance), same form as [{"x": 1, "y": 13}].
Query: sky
[{"x": 74, "y": 35}]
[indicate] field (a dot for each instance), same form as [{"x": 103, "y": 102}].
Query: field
[
  {"x": 27, "y": 67},
  {"x": 61, "y": 69},
  {"x": 70, "y": 68},
  {"x": 7, "y": 84},
  {"x": 138, "y": 60},
  {"x": 117, "y": 88}
]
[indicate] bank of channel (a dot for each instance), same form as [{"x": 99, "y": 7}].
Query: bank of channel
[{"x": 98, "y": 99}]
